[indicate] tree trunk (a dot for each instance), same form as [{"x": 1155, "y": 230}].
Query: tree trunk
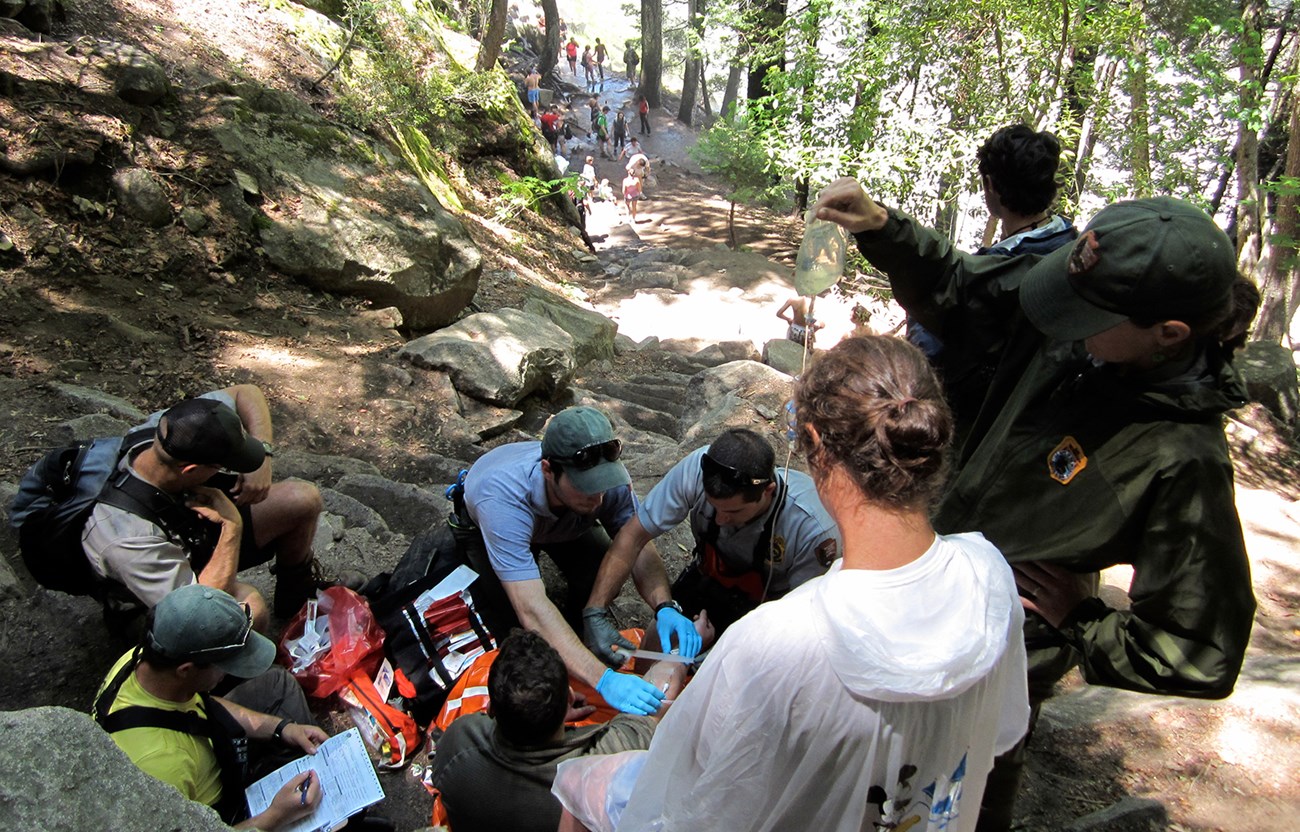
[
  {"x": 765, "y": 22},
  {"x": 705, "y": 98},
  {"x": 1076, "y": 109},
  {"x": 1249, "y": 197},
  {"x": 1139, "y": 111},
  {"x": 1280, "y": 280},
  {"x": 807, "y": 65},
  {"x": 692, "y": 75},
  {"x": 551, "y": 41},
  {"x": 690, "y": 83},
  {"x": 1088, "y": 137},
  {"x": 732, "y": 92},
  {"x": 1279, "y": 115},
  {"x": 490, "y": 47},
  {"x": 652, "y": 51},
  {"x": 731, "y": 226}
]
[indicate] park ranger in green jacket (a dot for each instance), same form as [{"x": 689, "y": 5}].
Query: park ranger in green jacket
[{"x": 1100, "y": 440}]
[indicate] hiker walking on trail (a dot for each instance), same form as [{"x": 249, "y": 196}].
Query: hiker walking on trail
[
  {"x": 631, "y": 195},
  {"x": 532, "y": 83},
  {"x": 643, "y": 110},
  {"x": 601, "y": 52},
  {"x": 631, "y": 59},
  {"x": 619, "y": 130},
  {"x": 639, "y": 166},
  {"x": 551, "y": 128},
  {"x": 602, "y": 132},
  {"x": 571, "y": 52},
  {"x": 802, "y": 327},
  {"x": 589, "y": 68}
]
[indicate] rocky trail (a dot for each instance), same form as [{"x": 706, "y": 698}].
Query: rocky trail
[{"x": 674, "y": 335}]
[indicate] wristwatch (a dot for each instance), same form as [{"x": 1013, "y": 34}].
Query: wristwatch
[
  {"x": 268, "y": 447},
  {"x": 278, "y": 733},
  {"x": 671, "y": 604}
]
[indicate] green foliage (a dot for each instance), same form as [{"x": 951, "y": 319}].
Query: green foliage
[
  {"x": 733, "y": 152},
  {"x": 525, "y": 193},
  {"x": 902, "y": 94},
  {"x": 398, "y": 72}
]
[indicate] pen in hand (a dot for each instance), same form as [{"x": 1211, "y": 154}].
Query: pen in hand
[{"x": 303, "y": 787}]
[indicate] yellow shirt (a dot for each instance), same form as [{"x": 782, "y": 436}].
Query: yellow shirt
[{"x": 183, "y": 760}]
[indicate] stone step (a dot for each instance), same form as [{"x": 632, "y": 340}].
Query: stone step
[{"x": 656, "y": 394}]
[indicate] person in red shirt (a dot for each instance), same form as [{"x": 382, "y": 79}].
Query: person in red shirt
[
  {"x": 551, "y": 127},
  {"x": 571, "y": 51},
  {"x": 643, "y": 110}
]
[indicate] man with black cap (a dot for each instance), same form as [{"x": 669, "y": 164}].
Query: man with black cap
[
  {"x": 1099, "y": 440},
  {"x": 203, "y": 533},
  {"x": 564, "y": 496},
  {"x": 156, "y": 705},
  {"x": 759, "y": 531}
]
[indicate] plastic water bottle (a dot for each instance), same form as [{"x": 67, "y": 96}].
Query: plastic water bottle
[{"x": 820, "y": 263}]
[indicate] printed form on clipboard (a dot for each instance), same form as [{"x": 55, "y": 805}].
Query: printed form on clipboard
[{"x": 348, "y": 783}]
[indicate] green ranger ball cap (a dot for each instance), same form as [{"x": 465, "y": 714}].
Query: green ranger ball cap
[
  {"x": 1158, "y": 259},
  {"x": 205, "y": 625},
  {"x": 573, "y": 429}
]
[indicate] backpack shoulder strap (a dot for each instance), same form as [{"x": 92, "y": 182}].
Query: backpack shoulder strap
[
  {"x": 133, "y": 494},
  {"x": 141, "y": 716},
  {"x": 105, "y": 699}
]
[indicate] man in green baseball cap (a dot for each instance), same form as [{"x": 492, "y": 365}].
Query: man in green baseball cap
[
  {"x": 1098, "y": 440},
  {"x": 157, "y": 706},
  {"x": 566, "y": 495},
  {"x": 1146, "y": 260}
]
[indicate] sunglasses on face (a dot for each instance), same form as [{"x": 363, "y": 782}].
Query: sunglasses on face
[
  {"x": 732, "y": 477},
  {"x": 589, "y": 457}
]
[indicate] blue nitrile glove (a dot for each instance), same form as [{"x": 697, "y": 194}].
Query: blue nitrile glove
[
  {"x": 630, "y": 694},
  {"x": 671, "y": 623},
  {"x": 599, "y": 633}
]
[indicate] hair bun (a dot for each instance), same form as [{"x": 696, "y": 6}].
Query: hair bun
[{"x": 879, "y": 412}]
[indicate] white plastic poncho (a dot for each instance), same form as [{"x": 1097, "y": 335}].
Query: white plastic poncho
[{"x": 862, "y": 700}]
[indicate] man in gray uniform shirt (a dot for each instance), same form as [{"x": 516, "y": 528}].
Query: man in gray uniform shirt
[{"x": 759, "y": 532}]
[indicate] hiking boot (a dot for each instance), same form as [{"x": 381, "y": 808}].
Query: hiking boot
[{"x": 296, "y": 585}]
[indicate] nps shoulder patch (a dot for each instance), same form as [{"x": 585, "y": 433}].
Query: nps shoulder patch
[
  {"x": 778, "y": 549},
  {"x": 1066, "y": 460},
  {"x": 1085, "y": 255},
  {"x": 827, "y": 551}
]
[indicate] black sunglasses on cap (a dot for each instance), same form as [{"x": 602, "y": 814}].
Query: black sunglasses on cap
[
  {"x": 589, "y": 457},
  {"x": 732, "y": 477}
]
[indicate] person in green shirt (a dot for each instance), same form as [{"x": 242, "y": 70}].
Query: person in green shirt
[
  {"x": 156, "y": 705},
  {"x": 1099, "y": 440}
]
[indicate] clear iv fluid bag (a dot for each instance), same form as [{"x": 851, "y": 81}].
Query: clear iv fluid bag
[{"x": 820, "y": 263}]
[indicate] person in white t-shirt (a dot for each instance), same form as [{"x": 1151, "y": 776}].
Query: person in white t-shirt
[{"x": 875, "y": 696}]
